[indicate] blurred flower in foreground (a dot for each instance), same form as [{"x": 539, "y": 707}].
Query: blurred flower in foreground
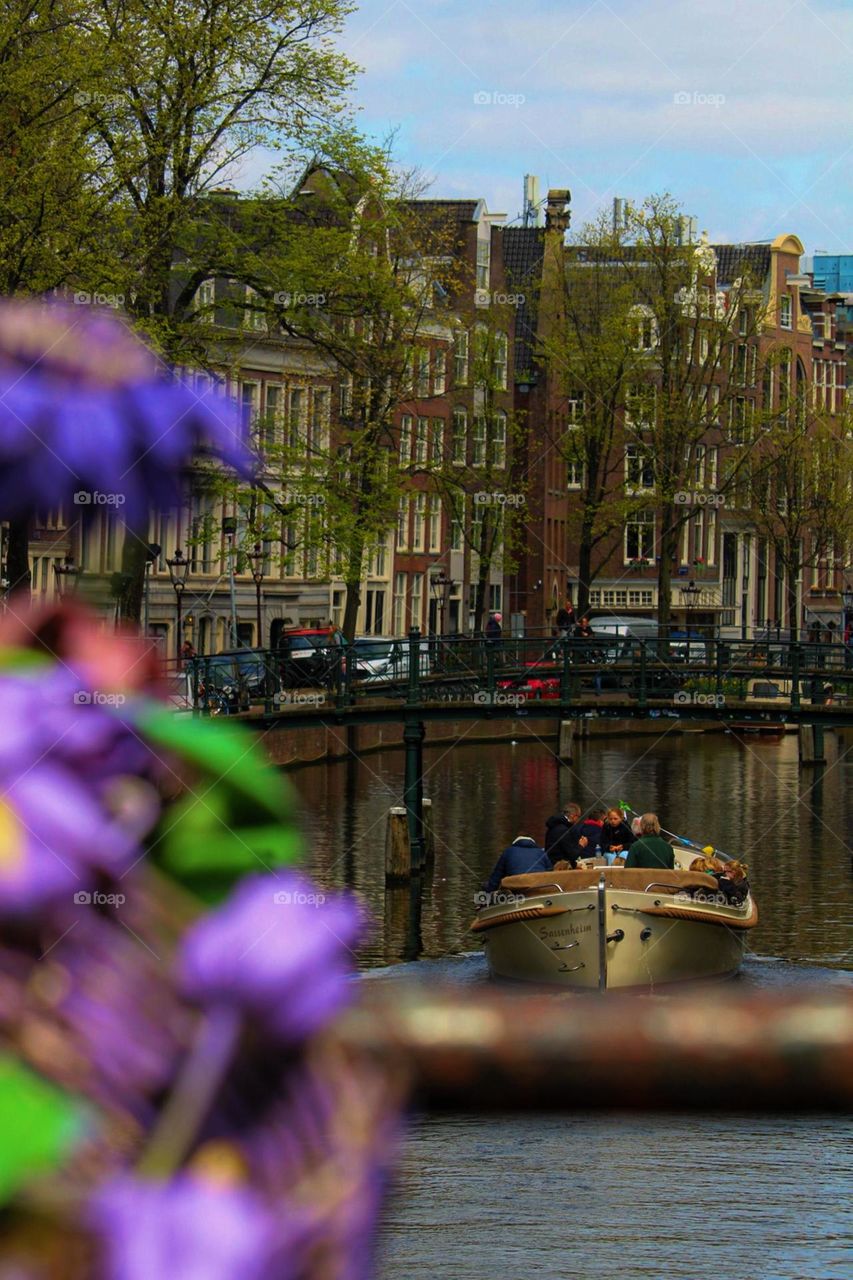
[
  {"x": 279, "y": 950},
  {"x": 188, "y": 1227},
  {"x": 86, "y": 412},
  {"x": 71, "y": 800}
]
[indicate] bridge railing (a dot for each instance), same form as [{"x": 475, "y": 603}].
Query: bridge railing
[{"x": 516, "y": 671}]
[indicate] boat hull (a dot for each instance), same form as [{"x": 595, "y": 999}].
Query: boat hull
[{"x": 604, "y": 937}]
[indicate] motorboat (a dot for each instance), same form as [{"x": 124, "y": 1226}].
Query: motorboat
[{"x": 603, "y": 927}]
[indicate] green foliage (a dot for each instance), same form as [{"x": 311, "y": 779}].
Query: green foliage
[{"x": 40, "y": 1127}]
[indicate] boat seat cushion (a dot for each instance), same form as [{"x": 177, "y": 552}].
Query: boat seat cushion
[{"x": 635, "y": 879}]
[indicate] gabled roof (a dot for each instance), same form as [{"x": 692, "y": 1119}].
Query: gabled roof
[
  {"x": 737, "y": 260},
  {"x": 523, "y": 251}
]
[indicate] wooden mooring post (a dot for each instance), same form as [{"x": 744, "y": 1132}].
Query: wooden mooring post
[
  {"x": 810, "y": 744},
  {"x": 400, "y": 864},
  {"x": 565, "y": 743}
]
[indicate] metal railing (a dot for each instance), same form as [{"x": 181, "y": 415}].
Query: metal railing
[{"x": 527, "y": 671}]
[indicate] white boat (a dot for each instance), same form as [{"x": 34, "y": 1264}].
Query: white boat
[{"x": 604, "y": 927}]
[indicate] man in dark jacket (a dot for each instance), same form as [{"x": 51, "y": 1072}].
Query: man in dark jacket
[
  {"x": 521, "y": 857},
  {"x": 557, "y": 828}
]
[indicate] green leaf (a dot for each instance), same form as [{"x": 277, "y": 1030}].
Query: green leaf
[{"x": 40, "y": 1126}]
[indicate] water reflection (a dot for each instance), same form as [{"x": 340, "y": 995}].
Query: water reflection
[{"x": 746, "y": 796}]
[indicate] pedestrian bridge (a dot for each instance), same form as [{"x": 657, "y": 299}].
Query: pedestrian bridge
[{"x": 461, "y": 678}]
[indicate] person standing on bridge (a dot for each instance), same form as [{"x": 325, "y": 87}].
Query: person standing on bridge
[{"x": 494, "y": 630}]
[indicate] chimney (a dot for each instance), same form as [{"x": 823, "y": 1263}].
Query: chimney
[{"x": 557, "y": 212}]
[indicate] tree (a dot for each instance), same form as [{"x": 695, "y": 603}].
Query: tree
[
  {"x": 588, "y": 345},
  {"x": 698, "y": 385}
]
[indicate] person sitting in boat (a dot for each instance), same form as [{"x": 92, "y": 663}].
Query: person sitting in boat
[
  {"x": 616, "y": 835},
  {"x": 588, "y": 833},
  {"x": 559, "y": 844},
  {"x": 521, "y": 857},
  {"x": 651, "y": 850}
]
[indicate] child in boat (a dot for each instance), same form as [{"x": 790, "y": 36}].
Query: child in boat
[
  {"x": 616, "y": 835},
  {"x": 651, "y": 850}
]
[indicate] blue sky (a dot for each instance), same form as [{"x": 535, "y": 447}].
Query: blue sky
[{"x": 742, "y": 110}]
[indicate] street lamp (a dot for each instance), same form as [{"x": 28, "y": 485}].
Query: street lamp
[
  {"x": 256, "y": 559},
  {"x": 229, "y": 531},
  {"x": 66, "y": 576},
  {"x": 178, "y": 568},
  {"x": 440, "y": 585},
  {"x": 689, "y": 597}
]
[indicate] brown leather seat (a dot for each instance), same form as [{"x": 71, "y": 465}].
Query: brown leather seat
[{"x": 635, "y": 879}]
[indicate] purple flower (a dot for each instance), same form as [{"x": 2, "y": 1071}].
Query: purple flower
[
  {"x": 188, "y": 1229},
  {"x": 70, "y": 806},
  {"x": 280, "y": 950},
  {"x": 86, "y": 413}
]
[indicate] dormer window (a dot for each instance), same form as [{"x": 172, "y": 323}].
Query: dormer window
[{"x": 786, "y": 311}]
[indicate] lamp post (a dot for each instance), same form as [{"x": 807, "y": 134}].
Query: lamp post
[
  {"x": 179, "y": 568},
  {"x": 256, "y": 559},
  {"x": 66, "y": 576},
  {"x": 689, "y": 595},
  {"x": 229, "y": 531},
  {"x": 440, "y": 585}
]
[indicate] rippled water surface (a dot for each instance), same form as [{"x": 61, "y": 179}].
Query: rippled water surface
[{"x": 589, "y": 1197}]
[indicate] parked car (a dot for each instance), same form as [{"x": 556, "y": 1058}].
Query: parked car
[
  {"x": 229, "y": 682},
  {"x": 376, "y": 658},
  {"x": 310, "y": 656}
]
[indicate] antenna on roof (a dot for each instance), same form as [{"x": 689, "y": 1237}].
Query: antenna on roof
[{"x": 532, "y": 216}]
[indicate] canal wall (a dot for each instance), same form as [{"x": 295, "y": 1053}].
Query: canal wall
[{"x": 286, "y": 745}]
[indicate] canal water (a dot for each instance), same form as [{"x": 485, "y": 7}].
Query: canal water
[{"x": 594, "y": 1196}]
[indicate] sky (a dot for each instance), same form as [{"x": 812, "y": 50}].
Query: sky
[{"x": 741, "y": 109}]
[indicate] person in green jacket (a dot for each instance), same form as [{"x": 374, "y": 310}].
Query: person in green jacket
[{"x": 651, "y": 850}]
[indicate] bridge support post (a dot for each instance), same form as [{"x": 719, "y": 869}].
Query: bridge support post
[
  {"x": 795, "y": 677},
  {"x": 565, "y": 744},
  {"x": 810, "y": 744},
  {"x": 413, "y": 740}
]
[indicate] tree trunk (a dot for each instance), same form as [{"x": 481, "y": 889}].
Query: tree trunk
[
  {"x": 18, "y": 557},
  {"x": 131, "y": 583},
  {"x": 791, "y": 576},
  {"x": 584, "y": 570},
  {"x": 668, "y": 547}
]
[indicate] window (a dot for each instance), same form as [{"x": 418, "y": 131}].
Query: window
[
  {"x": 699, "y": 466},
  {"x": 399, "y": 604},
  {"x": 499, "y": 439},
  {"x": 697, "y": 550},
  {"x": 272, "y": 414},
  {"x": 457, "y": 539},
  {"x": 405, "y": 439},
  {"x": 740, "y": 424},
  {"x": 704, "y": 347},
  {"x": 319, "y": 441},
  {"x": 639, "y": 470},
  {"x": 575, "y": 474},
  {"x": 819, "y": 324},
  {"x": 743, "y": 321},
  {"x": 249, "y": 399},
  {"x": 205, "y": 296},
  {"x": 645, "y": 329},
  {"x": 422, "y": 440},
  {"x": 575, "y": 409},
  {"x": 437, "y": 443},
  {"x": 296, "y": 418},
  {"x": 478, "y": 441},
  {"x": 439, "y": 372},
  {"x": 499, "y": 360},
  {"x": 640, "y": 536},
  {"x": 459, "y": 437},
  {"x": 417, "y": 599},
  {"x": 403, "y": 525},
  {"x": 434, "y": 530},
  {"x": 346, "y": 397},
  {"x": 786, "y": 311},
  {"x": 422, "y": 377},
  {"x": 460, "y": 357},
  {"x": 254, "y": 317},
  {"x": 374, "y": 611},
  {"x": 711, "y": 540},
  {"x": 640, "y": 405},
  {"x": 419, "y": 509},
  {"x": 484, "y": 259}
]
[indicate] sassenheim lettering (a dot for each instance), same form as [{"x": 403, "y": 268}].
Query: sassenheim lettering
[{"x": 566, "y": 929}]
